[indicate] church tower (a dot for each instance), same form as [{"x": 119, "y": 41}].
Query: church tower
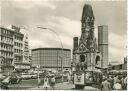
[
  {"x": 86, "y": 55},
  {"x": 87, "y": 39}
]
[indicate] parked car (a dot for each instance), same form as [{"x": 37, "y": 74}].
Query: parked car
[{"x": 15, "y": 79}]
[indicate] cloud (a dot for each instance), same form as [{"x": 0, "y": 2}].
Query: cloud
[
  {"x": 117, "y": 41},
  {"x": 67, "y": 29},
  {"x": 66, "y": 26},
  {"x": 29, "y": 4},
  {"x": 0, "y": 14},
  {"x": 117, "y": 46}
]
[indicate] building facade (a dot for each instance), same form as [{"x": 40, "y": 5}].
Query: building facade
[
  {"x": 11, "y": 48},
  {"x": 26, "y": 51},
  {"x": 6, "y": 50},
  {"x": 51, "y": 58},
  {"x": 103, "y": 44},
  {"x": 18, "y": 45}
]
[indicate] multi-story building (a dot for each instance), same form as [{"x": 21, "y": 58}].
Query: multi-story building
[
  {"x": 51, "y": 58},
  {"x": 103, "y": 44},
  {"x": 18, "y": 45},
  {"x": 11, "y": 48},
  {"x": 26, "y": 51},
  {"x": 6, "y": 50}
]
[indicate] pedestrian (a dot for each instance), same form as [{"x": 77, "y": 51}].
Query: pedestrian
[
  {"x": 116, "y": 79},
  {"x": 53, "y": 82},
  {"x": 117, "y": 85},
  {"x": 39, "y": 81},
  {"x": 46, "y": 83},
  {"x": 122, "y": 81},
  {"x": 69, "y": 78},
  {"x": 105, "y": 85},
  {"x": 110, "y": 79},
  {"x": 125, "y": 83}
]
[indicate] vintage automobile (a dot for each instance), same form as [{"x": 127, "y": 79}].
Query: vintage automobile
[{"x": 15, "y": 79}]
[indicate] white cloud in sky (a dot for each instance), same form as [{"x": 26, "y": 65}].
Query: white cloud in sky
[
  {"x": 117, "y": 47},
  {"x": 65, "y": 27},
  {"x": 28, "y": 4},
  {"x": 0, "y": 13}
]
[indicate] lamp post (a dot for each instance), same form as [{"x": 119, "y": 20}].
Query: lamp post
[{"x": 60, "y": 43}]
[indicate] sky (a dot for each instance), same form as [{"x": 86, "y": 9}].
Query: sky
[{"x": 63, "y": 16}]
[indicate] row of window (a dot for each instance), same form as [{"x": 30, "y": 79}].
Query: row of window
[
  {"x": 18, "y": 44},
  {"x": 18, "y": 38},
  {"x": 6, "y": 47},
  {"x": 49, "y": 57},
  {"x": 51, "y": 61},
  {"x": 9, "y": 62},
  {"x": 18, "y": 51},
  {"x": 51, "y": 53},
  {"x": 6, "y": 40},
  {"x": 7, "y": 33},
  {"x": 46, "y": 54},
  {"x": 6, "y": 54},
  {"x": 49, "y": 64}
]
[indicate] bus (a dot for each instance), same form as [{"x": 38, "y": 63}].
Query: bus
[{"x": 87, "y": 78}]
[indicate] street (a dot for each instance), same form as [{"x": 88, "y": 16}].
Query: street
[
  {"x": 24, "y": 84},
  {"x": 32, "y": 85}
]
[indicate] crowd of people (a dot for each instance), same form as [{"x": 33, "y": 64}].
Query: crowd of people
[{"x": 114, "y": 83}]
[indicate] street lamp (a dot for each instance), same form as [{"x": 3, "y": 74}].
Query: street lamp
[{"x": 59, "y": 40}]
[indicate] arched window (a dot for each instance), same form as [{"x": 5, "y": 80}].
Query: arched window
[{"x": 97, "y": 59}]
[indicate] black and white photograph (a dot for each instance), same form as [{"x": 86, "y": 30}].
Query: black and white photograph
[{"x": 63, "y": 45}]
